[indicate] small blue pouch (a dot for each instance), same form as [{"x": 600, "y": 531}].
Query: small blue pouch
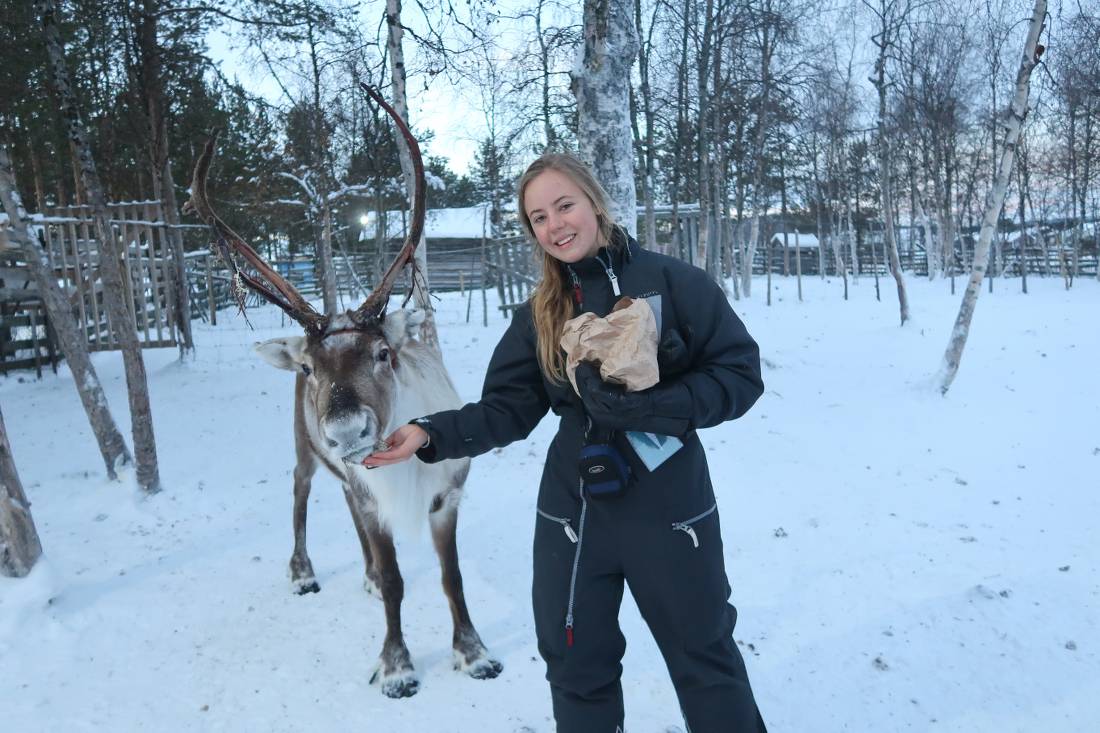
[{"x": 603, "y": 470}]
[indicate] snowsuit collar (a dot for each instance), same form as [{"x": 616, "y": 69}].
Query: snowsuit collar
[{"x": 617, "y": 254}]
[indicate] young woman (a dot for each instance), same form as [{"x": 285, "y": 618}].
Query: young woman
[{"x": 661, "y": 533}]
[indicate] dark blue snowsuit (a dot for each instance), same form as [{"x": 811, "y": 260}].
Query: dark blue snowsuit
[{"x": 661, "y": 536}]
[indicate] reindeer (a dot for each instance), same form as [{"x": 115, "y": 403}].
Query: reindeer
[{"x": 360, "y": 375}]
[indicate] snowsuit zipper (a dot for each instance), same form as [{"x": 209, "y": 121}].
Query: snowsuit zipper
[
  {"x": 610, "y": 274},
  {"x": 566, "y": 524},
  {"x": 685, "y": 526},
  {"x": 573, "y": 577}
]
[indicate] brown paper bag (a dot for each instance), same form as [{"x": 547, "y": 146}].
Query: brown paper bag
[{"x": 624, "y": 344}]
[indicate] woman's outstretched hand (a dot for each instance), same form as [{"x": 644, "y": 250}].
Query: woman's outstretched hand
[{"x": 404, "y": 442}]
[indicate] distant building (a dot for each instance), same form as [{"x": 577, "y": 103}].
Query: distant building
[
  {"x": 440, "y": 225},
  {"x": 804, "y": 241},
  {"x": 453, "y": 238}
]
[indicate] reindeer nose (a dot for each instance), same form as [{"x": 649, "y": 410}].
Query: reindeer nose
[{"x": 350, "y": 432}]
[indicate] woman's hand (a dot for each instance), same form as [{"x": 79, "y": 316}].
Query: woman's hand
[
  {"x": 663, "y": 409},
  {"x": 404, "y": 442}
]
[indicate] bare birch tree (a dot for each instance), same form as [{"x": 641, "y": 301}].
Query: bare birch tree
[
  {"x": 121, "y": 322},
  {"x": 428, "y": 332},
  {"x": 20, "y": 547},
  {"x": 148, "y": 72},
  {"x": 70, "y": 338},
  {"x": 601, "y": 84},
  {"x": 995, "y": 200},
  {"x": 645, "y": 141},
  {"x": 890, "y": 16}
]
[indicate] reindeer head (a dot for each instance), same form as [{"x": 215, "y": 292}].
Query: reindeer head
[
  {"x": 348, "y": 364},
  {"x": 349, "y": 379}
]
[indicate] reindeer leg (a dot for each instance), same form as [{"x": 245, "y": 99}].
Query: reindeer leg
[
  {"x": 470, "y": 653},
  {"x": 301, "y": 569},
  {"x": 371, "y": 580},
  {"x": 395, "y": 671}
]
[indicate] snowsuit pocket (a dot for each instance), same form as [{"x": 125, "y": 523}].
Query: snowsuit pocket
[
  {"x": 565, "y": 522},
  {"x": 687, "y": 526}
]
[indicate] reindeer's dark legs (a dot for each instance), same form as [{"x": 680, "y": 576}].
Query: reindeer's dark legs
[
  {"x": 301, "y": 569},
  {"x": 395, "y": 670},
  {"x": 371, "y": 582},
  {"x": 471, "y": 656}
]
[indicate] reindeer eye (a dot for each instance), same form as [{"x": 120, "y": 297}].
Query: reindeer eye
[
  {"x": 306, "y": 370},
  {"x": 384, "y": 355}
]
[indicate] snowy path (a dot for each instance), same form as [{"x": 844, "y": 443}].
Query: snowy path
[{"x": 900, "y": 561}]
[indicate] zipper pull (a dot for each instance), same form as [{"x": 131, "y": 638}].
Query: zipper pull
[
  {"x": 614, "y": 282},
  {"x": 610, "y": 273},
  {"x": 569, "y": 531},
  {"x": 578, "y": 296},
  {"x": 690, "y": 532},
  {"x": 569, "y": 630}
]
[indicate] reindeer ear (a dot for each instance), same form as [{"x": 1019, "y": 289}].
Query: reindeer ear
[
  {"x": 282, "y": 353},
  {"x": 402, "y": 325}
]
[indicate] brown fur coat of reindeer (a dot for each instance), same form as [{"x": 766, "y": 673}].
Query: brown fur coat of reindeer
[{"x": 360, "y": 375}]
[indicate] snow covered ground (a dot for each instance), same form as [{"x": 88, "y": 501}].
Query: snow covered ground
[{"x": 900, "y": 561}]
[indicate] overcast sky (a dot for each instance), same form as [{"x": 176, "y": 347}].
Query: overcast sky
[{"x": 457, "y": 124}]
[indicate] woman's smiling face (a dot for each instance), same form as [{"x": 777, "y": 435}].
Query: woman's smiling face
[{"x": 562, "y": 217}]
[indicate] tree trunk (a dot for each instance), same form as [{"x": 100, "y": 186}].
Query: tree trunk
[
  {"x": 544, "y": 67},
  {"x": 72, "y": 341},
  {"x": 422, "y": 298},
  {"x": 648, "y": 152},
  {"x": 324, "y": 258},
  {"x": 19, "y": 544},
  {"x": 151, "y": 87},
  {"x": 39, "y": 182},
  {"x": 601, "y": 83},
  {"x": 122, "y": 324},
  {"x": 798, "y": 263},
  {"x": 994, "y": 202},
  {"x": 702, "y": 137},
  {"x": 175, "y": 239},
  {"x": 766, "y": 48},
  {"x": 885, "y": 187}
]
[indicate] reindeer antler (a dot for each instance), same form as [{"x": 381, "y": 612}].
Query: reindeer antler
[
  {"x": 273, "y": 286},
  {"x": 374, "y": 307}
]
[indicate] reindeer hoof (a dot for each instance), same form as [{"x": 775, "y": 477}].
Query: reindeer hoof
[
  {"x": 482, "y": 667},
  {"x": 398, "y": 684},
  {"x": 485, "y": 669},
  {"x": 305, "y": 585}
]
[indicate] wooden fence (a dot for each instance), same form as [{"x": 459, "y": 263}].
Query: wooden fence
[
  {"x": 26, "y": 339},
  {"x": 67, "y": 235},
  {"x": 74, "y": 254}
]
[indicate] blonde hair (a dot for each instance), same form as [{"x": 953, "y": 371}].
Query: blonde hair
[{"x": 552, "y": 298}]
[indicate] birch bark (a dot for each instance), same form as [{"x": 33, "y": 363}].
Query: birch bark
[
  {"x": 72, "y": 342},
  {"x": 19, "y": 544},
  {"x": 122, "y": 324},
  {"x": 601, "y": 85},
  {"x": 883, "y": 41},
  {"x": 428, "y": 333},
  {"x": 994, "y": 201}
]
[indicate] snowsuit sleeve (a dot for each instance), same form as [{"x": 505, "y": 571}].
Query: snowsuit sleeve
[
  {"x": 724, "y": 379},
  {"x": 513, "y": 400}
]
